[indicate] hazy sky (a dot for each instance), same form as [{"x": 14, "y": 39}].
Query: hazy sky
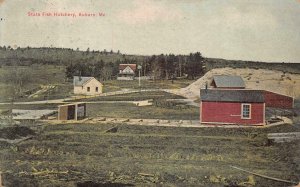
[{"x": 260, "y": 30}]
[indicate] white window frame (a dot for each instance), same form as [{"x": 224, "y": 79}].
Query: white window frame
[
  {"x": 242, "y": 111},
  {"x": 88, "y": 89}
]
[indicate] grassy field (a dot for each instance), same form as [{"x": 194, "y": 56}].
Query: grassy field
[
  {"x": 161, "y": 108},
  {"x": 68, "y": 155},
  {"x": 38, "y": 75},
  {"x": 115, "y": 85},
  {"x": 117, "y": 110},
  {"x": 138, "y": 96},
  {"x": 54, "y": 75},
  {"x": 124, "y": 110}
]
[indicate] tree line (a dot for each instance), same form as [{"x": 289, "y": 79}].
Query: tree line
[
  {"x": 172, "y": 66},
  {"x": 157, "y": 66},
  {"x": 104, "y": 64}
]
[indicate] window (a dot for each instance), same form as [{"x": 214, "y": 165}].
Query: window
[
  {"x": 88, "y": 89},
  {"x": 246, "y": 111},
  {"x": 96, "y": 89}
]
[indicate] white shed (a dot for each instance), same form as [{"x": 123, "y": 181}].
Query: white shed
[{"x": 87, "y": 86}]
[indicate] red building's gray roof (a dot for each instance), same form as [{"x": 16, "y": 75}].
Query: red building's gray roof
[
  {"x": 232, "y": 95},
  {"x": 228, "y": 81}
]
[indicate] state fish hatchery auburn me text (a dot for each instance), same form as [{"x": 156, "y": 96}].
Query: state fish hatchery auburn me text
[{"x": 65, "y": 14}]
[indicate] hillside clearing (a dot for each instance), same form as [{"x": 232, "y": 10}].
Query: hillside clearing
[{"x": 276, "y": 81}]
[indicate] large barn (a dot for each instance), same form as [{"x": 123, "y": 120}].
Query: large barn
[
  {"x": 272, "y": 99},
  {"x": 229, "y": 102},
  {"x": 232, "y": 106}
]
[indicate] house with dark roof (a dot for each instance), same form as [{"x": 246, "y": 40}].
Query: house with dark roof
[
  {"x": 228, "y": 82},
  {"x": 127, "y": 71},
  {"x": 87, "y": 85},
  {"x": 232, "y": 107},
  {"x": 272, "y": 99}
]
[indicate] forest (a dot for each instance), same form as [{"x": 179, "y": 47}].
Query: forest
[{"x": 104, "y": 64}]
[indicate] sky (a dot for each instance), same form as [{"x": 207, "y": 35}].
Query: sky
[{"x": 255, "y": 30}]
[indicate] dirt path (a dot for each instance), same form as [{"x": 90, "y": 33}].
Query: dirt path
[
  {"x": 42, "y": 90},
  {"x": 158, "y": 122}
]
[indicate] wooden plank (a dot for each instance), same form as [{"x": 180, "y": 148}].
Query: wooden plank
[
  {"x": 294, "y": 138},
  {"x": 284, "y": 137},
  {"x": 265, "y": 176},
  {"x": 285, "y": 134}
]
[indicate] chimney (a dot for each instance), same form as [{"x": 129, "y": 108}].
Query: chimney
[{"x": 80, "y": 76}]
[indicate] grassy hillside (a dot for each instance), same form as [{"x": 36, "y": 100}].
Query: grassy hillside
[
  {"x": 48, "y": 66},
  {"x": 212, "y": 63},
  {"x": 59, "y": 56},
  {"x": 36, "y": 77},
  {"x": 65, "y": 56}
]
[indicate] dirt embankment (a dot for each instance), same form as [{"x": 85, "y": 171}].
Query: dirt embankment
[
  {"x": 15, "y": 132},
  {"x": 275, "y": 81}
]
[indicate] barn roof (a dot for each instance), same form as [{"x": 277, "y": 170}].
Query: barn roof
[
  {"x": 228, "y": 81},
  {"x": 123, "y": 66},
  {"x": 230, "y": 95},
  {"x": 80, "y": 81}
]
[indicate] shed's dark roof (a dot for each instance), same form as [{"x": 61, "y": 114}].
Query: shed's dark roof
[
  {"x": 228, "y": 81},
  {"x": 251, "y": 96},
  {"x": 80, "y": 81}
]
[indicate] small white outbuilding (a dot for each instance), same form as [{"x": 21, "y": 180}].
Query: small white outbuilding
[{"x": 87, "y": 86}]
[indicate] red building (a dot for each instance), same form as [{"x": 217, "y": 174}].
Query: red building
[
  {"x": 232, "y": 106},
  {"x": 276, "y": 100}
]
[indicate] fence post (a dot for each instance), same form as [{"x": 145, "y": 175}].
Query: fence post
[{"x": 1, "y": 182}]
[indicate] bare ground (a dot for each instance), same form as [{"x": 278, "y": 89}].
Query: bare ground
[
  {"x": 276, "y": 81},
  {"x": 78, "y": 155}
]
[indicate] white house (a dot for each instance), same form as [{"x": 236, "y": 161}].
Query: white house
[
  {"x": 87, "y": 86},
  {"x": 126, "y": 71}
]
